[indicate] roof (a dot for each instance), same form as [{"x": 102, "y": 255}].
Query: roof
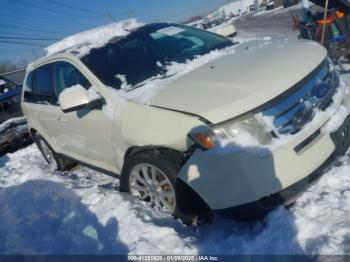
[{"x": 81, "y": 43}]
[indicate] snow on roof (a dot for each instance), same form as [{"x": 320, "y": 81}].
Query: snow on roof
[{"x": 83, "y": 42}]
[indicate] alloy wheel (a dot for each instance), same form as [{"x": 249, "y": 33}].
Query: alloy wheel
[{"x": 151, "y": 185}]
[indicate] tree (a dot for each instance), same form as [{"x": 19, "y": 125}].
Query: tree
[{"x": 6, "y": 66}]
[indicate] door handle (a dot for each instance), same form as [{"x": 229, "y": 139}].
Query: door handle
[
  {"x": 35, "y": 115},
  {"x": 62, "y": 120}
]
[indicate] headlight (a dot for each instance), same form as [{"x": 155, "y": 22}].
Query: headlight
[{"x": 245, "y": 131}]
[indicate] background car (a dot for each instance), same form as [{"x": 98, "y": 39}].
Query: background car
[{"x": 13, "y": 126}]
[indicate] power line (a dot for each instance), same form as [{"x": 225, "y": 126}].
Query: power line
[
  {"x": 30, "y": 29},
  {"x": 6, "y": 33},
  {"x": 33, "y": 20},
  {"x": 53, "y": 10},
  {"x": 20, "y": 43},
  {"x": 73, "y": 7},
  {"x": 26, "y": 38}
]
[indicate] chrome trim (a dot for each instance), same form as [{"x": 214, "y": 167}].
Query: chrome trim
[{"x": 291, "y": 113}]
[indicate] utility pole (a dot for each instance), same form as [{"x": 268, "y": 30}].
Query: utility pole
[{"x": 324, "y": 19}]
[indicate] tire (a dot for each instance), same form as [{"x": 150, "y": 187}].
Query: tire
[
  {"x": 167, "y": 163},
  {"x": 52, "y": 158}
]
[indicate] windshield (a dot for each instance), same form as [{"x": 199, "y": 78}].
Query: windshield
[
  {"x": 6, "y": 85},
  {"x": 145, "y": 53}
]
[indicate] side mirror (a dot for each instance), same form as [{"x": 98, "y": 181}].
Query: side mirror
[{"x": 77, "y": 97}]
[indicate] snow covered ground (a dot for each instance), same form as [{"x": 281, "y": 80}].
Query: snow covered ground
[{"x": 82, "y": 212}]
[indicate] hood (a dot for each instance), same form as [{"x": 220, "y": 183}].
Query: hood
[{"x": 237, "y": 83}]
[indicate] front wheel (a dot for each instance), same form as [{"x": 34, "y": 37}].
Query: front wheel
[
  {"x": 151, "y": 176},
  {"x": 150, "y": 184}
]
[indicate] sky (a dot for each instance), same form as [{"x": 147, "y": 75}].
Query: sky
[{"x": 46, "y": 21}]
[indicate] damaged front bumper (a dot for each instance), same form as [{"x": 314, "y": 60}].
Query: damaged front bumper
[{"x": 238, "y": 179}]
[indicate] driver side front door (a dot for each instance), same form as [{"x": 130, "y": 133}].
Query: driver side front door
[{"x": 86, "y": 133}]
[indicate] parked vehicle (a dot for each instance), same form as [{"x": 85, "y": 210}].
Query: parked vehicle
[
  {"x": 289, "y": 3},
  {"x": 270, "y": 6},
  {"x": 171, "y": 150},
  {"x": 227, "y": 29},
  {"x": 13, "y": 128}
]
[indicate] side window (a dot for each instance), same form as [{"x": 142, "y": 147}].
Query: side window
[
  {"x": 43, "y": 81},
  {"x": 39, "y": 86},
  {"x": 67, "y": 75}
]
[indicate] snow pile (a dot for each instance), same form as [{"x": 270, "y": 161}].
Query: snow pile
[
  {"x": 92, "y": 91},
  {"x": 124, "y": 86},
  {"x": 82, "y": 212},
  {"x": 70, "y": 90},
  {"x": 83, "y": 42},
  {"x": 337, "y": 120}
]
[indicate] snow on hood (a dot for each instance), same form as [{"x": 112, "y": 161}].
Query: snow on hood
[
  {"x": 83, "y": 42},
  {"x": 229, "y": 84}
]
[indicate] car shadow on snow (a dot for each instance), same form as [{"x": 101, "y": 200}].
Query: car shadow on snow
[{"x": 44, "y": 217}]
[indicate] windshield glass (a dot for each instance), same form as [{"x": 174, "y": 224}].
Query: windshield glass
[
  {"x": 6, "y": 85},
  {"x": 145, "y": 53}
]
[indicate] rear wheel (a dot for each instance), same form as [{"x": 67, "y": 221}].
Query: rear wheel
[
  {"x": 47, "y": 153},
  {"x": 151, "y": 176},
  {"x": 55, "y": 161}
]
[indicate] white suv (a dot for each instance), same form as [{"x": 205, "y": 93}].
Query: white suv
[{"x": 239, "y": 132}]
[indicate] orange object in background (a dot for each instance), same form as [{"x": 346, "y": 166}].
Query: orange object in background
[
  {"x": 331, "y": 18},
  {"x": 339, "y": 14}
]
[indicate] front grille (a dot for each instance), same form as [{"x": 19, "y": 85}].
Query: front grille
[{"x": 294, "y": 110}]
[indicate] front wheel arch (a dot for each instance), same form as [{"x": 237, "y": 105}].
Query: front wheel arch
[
  {"x": 163, "y": 152},
  {"x": 189, "y": 202}
]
